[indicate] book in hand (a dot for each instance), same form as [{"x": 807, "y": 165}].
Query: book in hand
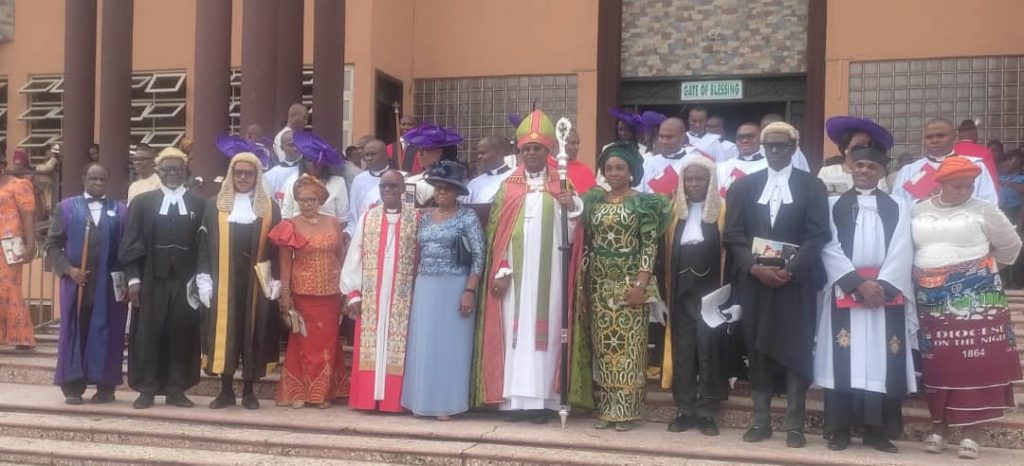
[
  {"x": 922, "y": 184},
  {"x": 14, "y": 249},
  {"x": 772, "y": 253},
  {"x": 852, "y": 300},
  {"x": 296, "y": 323},
  {"x": 120, "y": 284}
]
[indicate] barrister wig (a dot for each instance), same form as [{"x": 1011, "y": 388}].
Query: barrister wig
[
  {"x": 713, "y": 201},
  {"x": 260, "y": 199},
  {"x": 311, "y": 182},
  {"x": 781, "y": 127},
  {"x": 171, "y": 153}
]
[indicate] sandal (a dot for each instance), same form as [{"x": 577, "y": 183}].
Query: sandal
[
  {"x": 298, "y": 404},
  {"x": 625, "y": 426},
  {"x": 602, "y": 424},
  {"x": 969, "y": 449},
  {"x": 934, "y": 443}
]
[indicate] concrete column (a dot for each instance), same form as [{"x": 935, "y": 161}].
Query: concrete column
[
  {"x": 812, "y": 135},
  {"x": 259, "y": 64},
  {"x": 79, "y": 91},
  {"x": 289, "y": 59},
  {"x": 211, "y": 89},
  {"x": 116, "y": 92},
  {"x": 329, "y": 69}
]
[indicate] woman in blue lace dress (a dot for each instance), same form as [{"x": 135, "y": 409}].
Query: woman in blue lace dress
[{"x": 440, "y": 346}]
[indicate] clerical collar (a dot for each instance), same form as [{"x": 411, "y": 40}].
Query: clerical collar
[
  {"x": 678, "y": 155},
  {"x": 538, "y": 175},
  {"x": 499, "y": 170},
  {"x": 752, "y": 157},
  {"x": 377, "y": 174},
  {"x": 392, "y": 211},
  {"x": 287, "y": 164},
  {"x": 940, "y": 159},
  {"x": 867, "y": 192}
]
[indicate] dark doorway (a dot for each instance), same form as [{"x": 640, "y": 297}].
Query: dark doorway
[
  {"x": 733, "y": 113},
  {"x": 388, "y": 92}
]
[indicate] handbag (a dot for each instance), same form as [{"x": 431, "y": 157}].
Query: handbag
[{"x": 463, "y": 255}]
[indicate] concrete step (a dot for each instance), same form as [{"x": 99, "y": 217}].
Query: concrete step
[{"x": 475, "y": 438}]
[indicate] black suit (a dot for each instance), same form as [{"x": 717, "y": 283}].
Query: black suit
[
  {"x": 779, "y": 323},
  {"x": 160, "y": 250}
]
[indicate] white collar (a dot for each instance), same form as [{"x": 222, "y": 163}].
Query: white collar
[
  {"x": 693, "y": 232},
  {"x": 538, "y": 175},
  {"x": 498, "y": 171},
  {"x": 173, "y": 196},
  {"x": 777, "y": 179},
  {"x": 377, "y": 174},
  {"x": 864, "y": 192},
  {"x": 241, "y": 210}
]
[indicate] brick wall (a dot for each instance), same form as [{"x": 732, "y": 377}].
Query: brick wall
[{"x": 713, "y": 37}]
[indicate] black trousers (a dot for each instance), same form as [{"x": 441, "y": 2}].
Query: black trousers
[
  {"x": 858, "y": 408},
  {"x": 698, "y": 380},
  {"x": 163, "y": 348}
]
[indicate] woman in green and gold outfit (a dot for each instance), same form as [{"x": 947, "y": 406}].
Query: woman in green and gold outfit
[{"x": 621, "y": 229}]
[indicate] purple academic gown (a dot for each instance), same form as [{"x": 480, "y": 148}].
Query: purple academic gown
[{"x": 101, "y": 361}]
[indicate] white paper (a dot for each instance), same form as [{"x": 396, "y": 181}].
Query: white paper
[
  {"x": 710, "y": 308},
  {"x": 120, "y": 283}
]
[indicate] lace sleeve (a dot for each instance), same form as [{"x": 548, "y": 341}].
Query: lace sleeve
[{"x": 1002, "y": 235}]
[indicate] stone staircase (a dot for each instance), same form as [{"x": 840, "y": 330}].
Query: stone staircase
[{"x": 36, "y": 427}]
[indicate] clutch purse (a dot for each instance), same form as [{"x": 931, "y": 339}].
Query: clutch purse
[{"x": 463, "y": 255}]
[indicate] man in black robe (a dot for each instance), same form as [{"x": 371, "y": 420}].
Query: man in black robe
[
  {"x": 777, "y": 295},
  {"x": 159, "y": 251},
  {"x": 692, "y": 268},
  {"x": 238, "y": 325}
]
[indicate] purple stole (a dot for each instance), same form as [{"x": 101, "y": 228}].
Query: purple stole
[{"x": 100, "y": 359}]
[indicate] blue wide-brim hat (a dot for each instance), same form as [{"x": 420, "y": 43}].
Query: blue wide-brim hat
[
  {"x": 315, "y": 149},
  {"x": 231, "y": 145},
  {"x": 449, "y": 173},
  {"x": 837, "y": 126},
  {"x": 432, "y": 137}
]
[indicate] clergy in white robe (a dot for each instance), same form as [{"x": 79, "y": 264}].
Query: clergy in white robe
[
  {"x": 364, "y": 192},
  {"x": 518, "y": 351},
  {"x": 867, "y": 321},
  {"x": 916, "y": 181},
  {"x": 377, "y": 278},
  {"x": 275, "y": 178}
]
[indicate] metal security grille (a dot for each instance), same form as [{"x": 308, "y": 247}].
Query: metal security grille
[
  {"x": 902, "y": 95},
  {"x": 3, "y": 114},
  {"x": 478, "y": 107}
]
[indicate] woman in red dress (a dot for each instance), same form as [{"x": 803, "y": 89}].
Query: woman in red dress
[{"x": 17, "y": 220}]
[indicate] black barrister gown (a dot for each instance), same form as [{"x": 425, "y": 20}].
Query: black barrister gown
[
  {"x": 778, "y": 324},
  {"x": 161, "y": 250},
  {"x": 246, "y": 330}
]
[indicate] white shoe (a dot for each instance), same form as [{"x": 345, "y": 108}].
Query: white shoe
[
  {"x": 969, "y": 449},
  {"x": 934, "y": 443}
]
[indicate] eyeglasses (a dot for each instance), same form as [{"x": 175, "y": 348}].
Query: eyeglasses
[
  {"x": 170, "y": 170},
  {"x": 307, "y": 200},
  {"x": 245, "y": 174},
  {"x": 778, "y": 146}
]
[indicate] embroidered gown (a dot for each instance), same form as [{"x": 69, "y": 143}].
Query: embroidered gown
[{"x": 15, "y": 322}]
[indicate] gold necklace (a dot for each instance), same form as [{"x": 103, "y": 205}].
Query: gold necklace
[{"x": 615, "y": 199}]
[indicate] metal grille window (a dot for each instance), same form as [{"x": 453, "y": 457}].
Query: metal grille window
[
  {"x": 3, "y": 114},
  {"x": 235, "y": 103},
  {"x": 44, "y": 95},
  {"x": 478, "y": 107},
  {"x": 158, "y": 108},
  {"x": 902, "y": 95}
]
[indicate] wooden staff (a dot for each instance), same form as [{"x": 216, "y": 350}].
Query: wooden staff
[
  {"x": 398, "y": 151},
  {"x": 85, "y": 271}
]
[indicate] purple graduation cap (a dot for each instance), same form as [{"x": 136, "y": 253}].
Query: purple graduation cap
[
  {"x": 650, "y": 121},
  {"x": 231, "y": 145},
  {"x": 631, "y": 119},
  {"x": 315, "y": 149},
  {"x": 514, "y": 119},
  {"x": 432, "y": 137}
]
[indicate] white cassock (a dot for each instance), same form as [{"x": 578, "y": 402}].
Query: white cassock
[
  {"x": 335, "y": 206},
  {"x": 530, "y": 374},
  {"x": 984, "y": 189},
  {"x": 275, "y": 178},
  {"x": 869, "y": 341},
  {"x": 738, "y": 167},
  {"x": 485, "y": 186},
  {"x": 363, "y": 194},
  {"x": 352, "y": 282},
  {"x": 656, "y": 170},
  {"x": 710, "y": 144}
]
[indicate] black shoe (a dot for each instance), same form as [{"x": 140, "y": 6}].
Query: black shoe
[
  {"x": 249, "y": 401},
  {"x": 179, "y": 400},
  {"x": 880, "y": 443},
  {"x": 73, "y": 399},
  {"x": 757, "y": 434},
  {"x": 707, "y": 426},
  {"x": 222, "y": 401},
  {"x": 143, "y": 401},
  {"x": 540, "y": 416},
  {"x": 795, "y": 439},
  {"x": 102, "y": 397},
  {"x": 838, "y": 441},
  {"x": 681, "y": 423}
]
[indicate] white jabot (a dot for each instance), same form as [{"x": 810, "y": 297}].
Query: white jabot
[
  {"x": 173, "y": 196},
  {"x": 692, "y": 232},
  {"x": 241, "y": 210},
  {"x": 776, "y": 191}
]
